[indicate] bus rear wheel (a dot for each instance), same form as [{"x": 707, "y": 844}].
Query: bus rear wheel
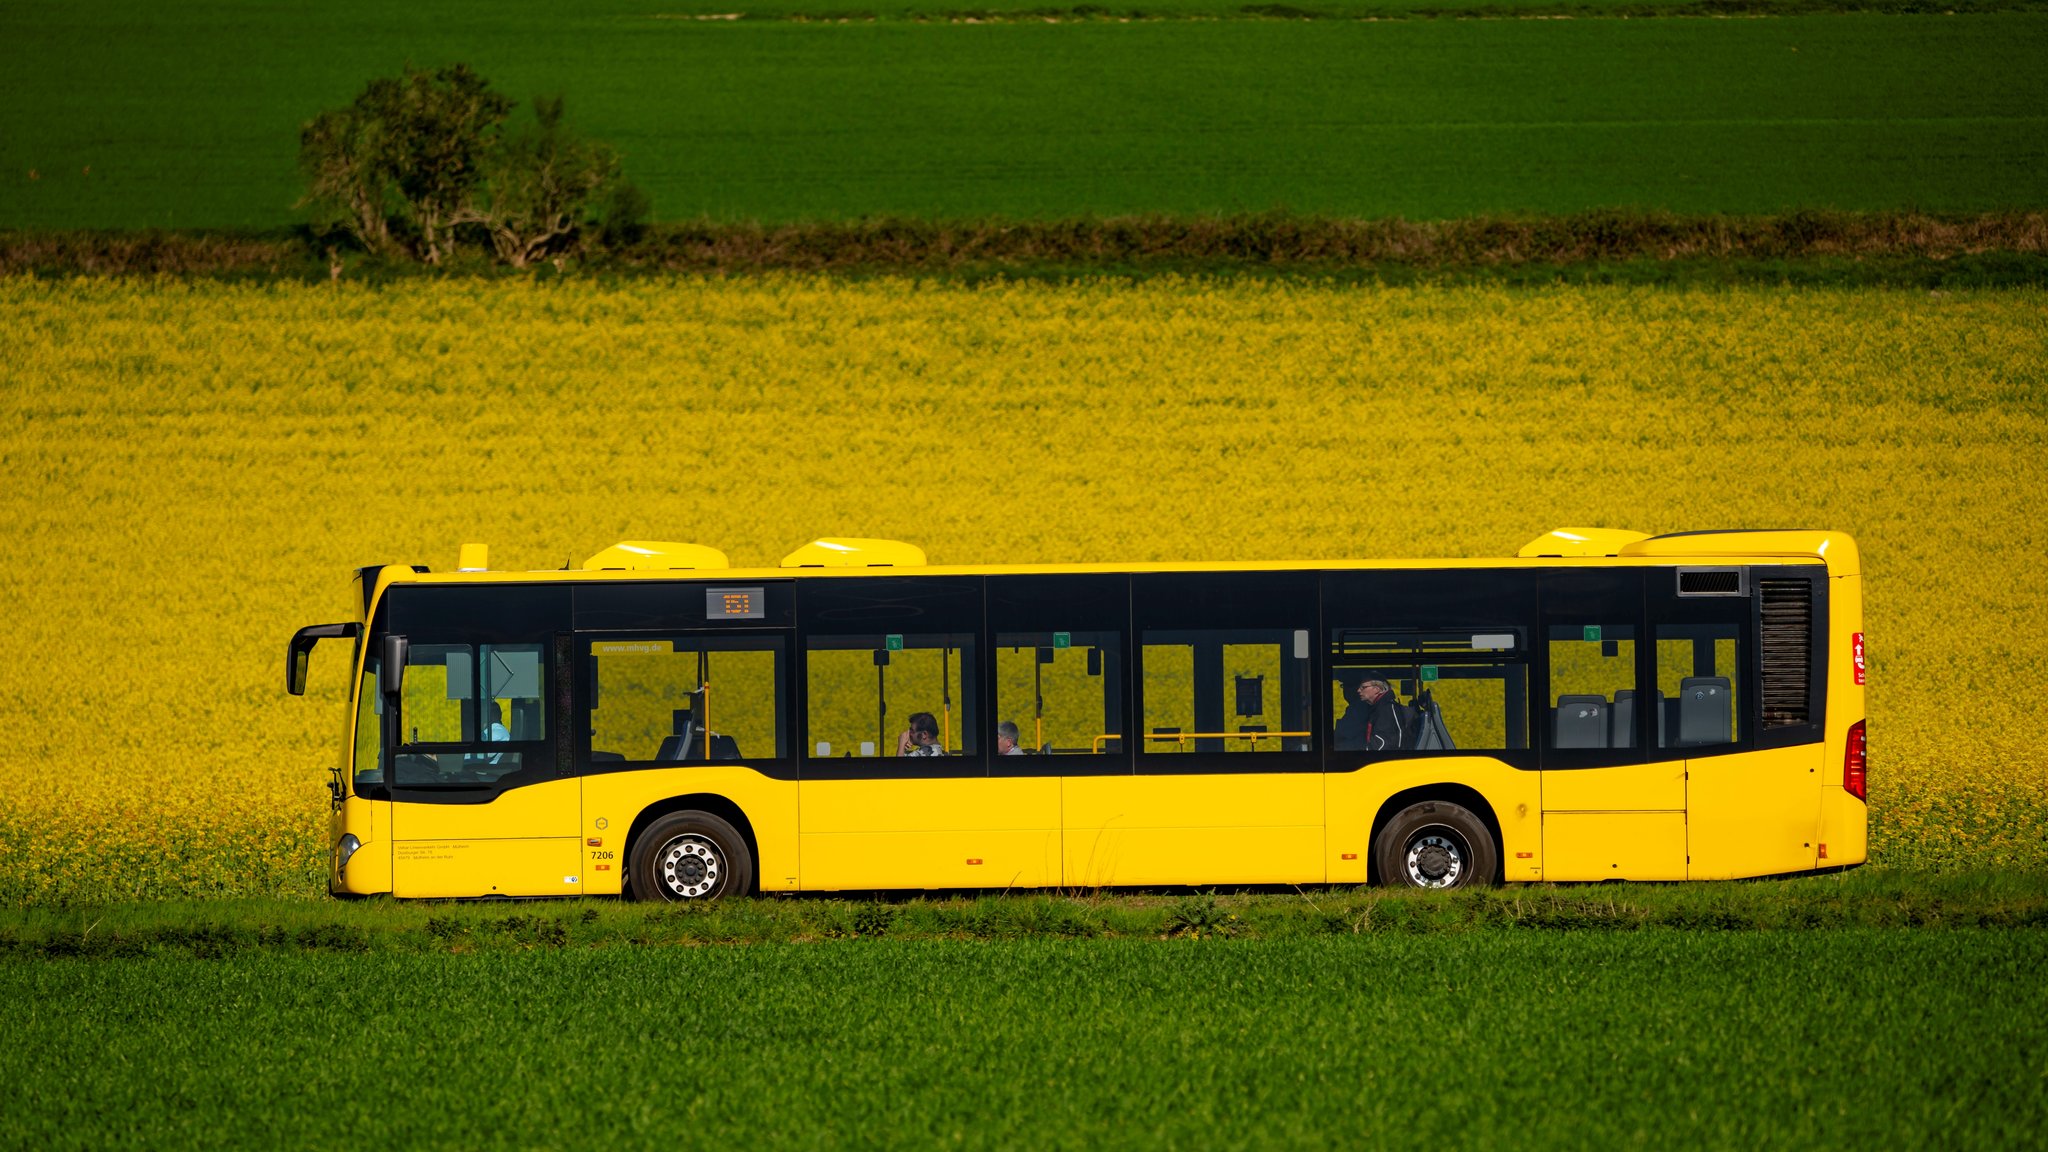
[
  {"x": 1436, "y": 844},
  {"x": 691, "y": 856}
]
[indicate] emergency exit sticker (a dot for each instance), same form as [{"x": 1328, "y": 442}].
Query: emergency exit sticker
[
  {"x": 1856, "y": 655},
  {"x": 1429, "y": 671},
  {"x": 1592, "y": 631},
  {"x": 893, "y": 642},
  {"x": 1063, "y": 639}
]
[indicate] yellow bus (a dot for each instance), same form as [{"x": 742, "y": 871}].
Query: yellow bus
[{"x": 1605, "y": 705}]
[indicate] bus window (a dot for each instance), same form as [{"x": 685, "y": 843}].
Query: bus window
[
  {"x": 369, "y": 767},
  {"x": 1592, "y": 685},
  {"x": 686, "y": 699},
  {"x": 1460, "y": 689},
  {"x": 1226, "y": 690},
  {"x": 1062, "y": 690},
  {"x": 868, "y": 695},
  {"x": 436, "y": 704},
  {"x": 1699, "y": 684},
  {"x": 464, "y": 710}
]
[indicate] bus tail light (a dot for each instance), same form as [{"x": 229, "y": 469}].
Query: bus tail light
[{"x": 1855, "y": 778}]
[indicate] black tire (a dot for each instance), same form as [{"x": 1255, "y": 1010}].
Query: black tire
[
  {"x": 691, "y": 856},
  {"x": 1436, "y": 844}
]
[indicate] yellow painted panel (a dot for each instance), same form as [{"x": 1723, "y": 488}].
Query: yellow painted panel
[
  {"x": 536, "y": 810},
  {"x": 1614, "y": 845},
  {"x": 613, "y": 802},
  {"x": 1353, "y": 799},
  {"x": 1225, "y": 800},
  {"x": 1127, "y": 856},
  {"x": 969, "y": 804},
  {"x": 1656, "y": 787},
  {"x": 1847, "y": 704},
  {"x": 526, "y": 867},
  {"x": 1222, "y": 829},
  {"x": 921, "y": 833},
  {"x": 993, "y": 858},
  {"x": 1753, "y": 813},
  {"x": 1844, "y": 828},
  {"x": 369, "y": 870}
]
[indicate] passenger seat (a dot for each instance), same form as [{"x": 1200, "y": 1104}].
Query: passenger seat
[
  {"x": 1704, "y": 713},
  {"x": 1580, "y": 722}
]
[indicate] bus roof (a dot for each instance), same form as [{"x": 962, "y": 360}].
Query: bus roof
[{"x": 852, "y": 557}]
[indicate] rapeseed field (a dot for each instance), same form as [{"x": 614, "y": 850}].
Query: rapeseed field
[{"x": 191, "y": 470}]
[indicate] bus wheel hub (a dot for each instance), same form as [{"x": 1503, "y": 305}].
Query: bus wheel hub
[
  {"x": 1434, "y": 862},
  {"x": 690, "y": 867}
]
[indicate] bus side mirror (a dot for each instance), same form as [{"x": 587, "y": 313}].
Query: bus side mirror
[
  {"x": 298, "y": 656},
  {"x": 391, "y": 673}
]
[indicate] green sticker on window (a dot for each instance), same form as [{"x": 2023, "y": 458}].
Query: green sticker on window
[
  {"x": 1429, "y": 672},
  {"x": 1592, "y": 631},
  {"x": 894, "y": 642},
  {"x": 1063, "y": 639}
]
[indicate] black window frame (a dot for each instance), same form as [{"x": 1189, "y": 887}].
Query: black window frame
[
  {"x": 1580, "y": 597},
  {"x": 1228, "y": 601},
  {"x": 860, "y": 605},
  {"x": 473, "y": 614},
  {"x": 1082, "y": 602},
  {"x": 1434, "y": 600},
  {"x": 780, "y": 767},
  {"x": 1664, "y": 606}
]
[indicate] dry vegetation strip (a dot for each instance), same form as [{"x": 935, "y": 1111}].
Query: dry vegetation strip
[{"x": 1128, "y": 244}]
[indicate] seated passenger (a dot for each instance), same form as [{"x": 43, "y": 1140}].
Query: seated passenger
[
  {"x": 1006, "y": 740},
  {"x": 1374, "y": 724},
  {"x": 921, "y": 738}
]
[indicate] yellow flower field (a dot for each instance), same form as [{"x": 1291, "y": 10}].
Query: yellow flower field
[{"x": 190, "y": 472}]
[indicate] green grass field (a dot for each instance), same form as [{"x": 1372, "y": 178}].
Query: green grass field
[
  {"x": 1660, "y": 1038},
  {"x": 131, "y": 115}
]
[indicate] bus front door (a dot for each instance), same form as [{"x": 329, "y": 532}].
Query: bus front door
[{"x": 481, "y": 803}]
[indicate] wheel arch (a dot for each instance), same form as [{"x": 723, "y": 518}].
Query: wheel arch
[
  {"x": 710, "y": 802},
  {"x": 1459, "y": 794}
]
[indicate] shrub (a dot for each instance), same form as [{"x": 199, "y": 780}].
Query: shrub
[{"x": 417, "y": 160}]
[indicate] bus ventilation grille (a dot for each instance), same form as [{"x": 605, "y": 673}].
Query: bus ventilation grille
[
  {"x": 1787, "y": 650},
  {"x": 1710, "y": 581}
]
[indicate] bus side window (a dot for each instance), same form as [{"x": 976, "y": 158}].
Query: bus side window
[
  {"x": 863, "y": 690},
  {"x": 1062, "y": 691},
  {"x": 1232, "y": 690},
  {"x": 1699, "y": 684},
  {"x": 1592, "y": 692},
  {"x": 686, "y": 700},
  {"x": 1454, "y": 689}
]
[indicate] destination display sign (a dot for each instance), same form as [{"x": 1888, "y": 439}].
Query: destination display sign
[{"x": 735, "y": 603}]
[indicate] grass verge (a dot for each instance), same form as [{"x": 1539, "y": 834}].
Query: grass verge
[
  {"x": 1659, "y": 1038},
  {"x": 209, "y": 929}
]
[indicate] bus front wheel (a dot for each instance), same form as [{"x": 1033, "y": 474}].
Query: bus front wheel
[
  {"x": 1436, "y": 844},
  {"x": 691, "y": 856}
]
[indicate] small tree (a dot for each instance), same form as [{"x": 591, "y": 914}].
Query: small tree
[
  {"x": 416, "y": 158},
  {"x": 539, "y": 185}
]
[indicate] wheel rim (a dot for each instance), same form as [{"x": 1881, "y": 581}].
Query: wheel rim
[
  {"x": 1436, "y": 858},
  {"x": 690, "y": 868}
]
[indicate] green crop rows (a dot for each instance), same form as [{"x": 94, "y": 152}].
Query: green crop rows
[
  {"x": 1830, "y": 1038},
  {"x": 122, "y": 114}
]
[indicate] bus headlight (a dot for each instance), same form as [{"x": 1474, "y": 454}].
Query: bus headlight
[{"x": 344, "y": 849}]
